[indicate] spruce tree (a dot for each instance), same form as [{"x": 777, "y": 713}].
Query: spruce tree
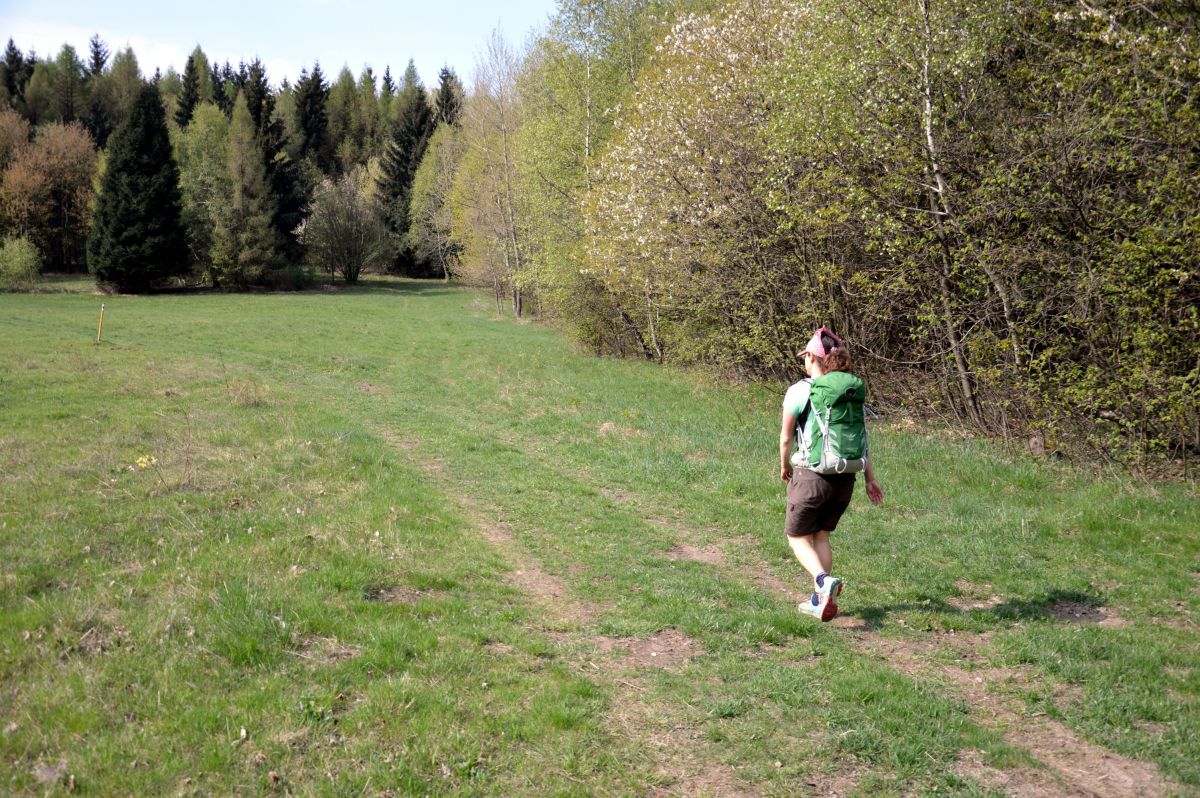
[
  {"x": 387, "y": 94},
  {"x": 218, "y": 88},
  {"x": 204, "y": 84},
  {"x": 246, "y": 245},
  {"x": 137, "y": 238},
  {"x": 97, "y": 56},
  {"x": 312, "y": 120},
  {"x": 189, "y": 96},
  {"x": 413, "y": 125},
  {"x": 18, "y": 69},
  {"x": 447, "y": 103},
  {"x": 283, "y": 177},
  {"x": 99, "y": 114}
]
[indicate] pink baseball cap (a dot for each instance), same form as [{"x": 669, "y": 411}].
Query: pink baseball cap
[{"x": 816, "y": 346}]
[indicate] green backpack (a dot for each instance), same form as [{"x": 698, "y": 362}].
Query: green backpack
[{"x": 833, "y": 438}]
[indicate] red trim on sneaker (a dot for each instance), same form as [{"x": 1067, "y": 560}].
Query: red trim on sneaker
[{"x": 830, "y": 610}]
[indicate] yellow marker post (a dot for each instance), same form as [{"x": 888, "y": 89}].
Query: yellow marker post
[{"x": 100, "y": 330}]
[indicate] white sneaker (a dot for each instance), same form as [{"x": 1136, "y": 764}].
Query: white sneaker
[
  {"x": 824, "y": 610},
  {"x": 832, "y": 587}
]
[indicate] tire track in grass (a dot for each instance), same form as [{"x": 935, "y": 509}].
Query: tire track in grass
[
  {"x": 653, "y": 727},
  {"x": 1075, "y": 768},
  {"x": 525, "y": 574}
]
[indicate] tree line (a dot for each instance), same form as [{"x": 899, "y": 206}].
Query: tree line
[
  {"x": 213, "y": 176},
  {"x": 995, "y": 201}
]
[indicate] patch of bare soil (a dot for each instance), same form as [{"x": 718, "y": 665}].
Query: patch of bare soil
[
  {"x": 325, "y": 650},
  {"x": 1023, "y": 782},
  {"x": 609, "y": 428},
  {"x": 710, "y": 781},
  {"x": 1075, "y": 767},
  {"x": 796, "y": 590},
  {"x": 499, "y": 648},
  {"x": 710, "y": 555},
  {"x": 49, "y": 775},
  {"x": 974, "y": 597},
  {"x": 669, "y": 649},
  {"x": 849, "y": 623},
  {"x": 677, "y": 746},
  {"x": 838, "y": 785},
  {"x": 98, "y": 639},
  {"x": 397, "y": 441},
  {"x": 394, "y": 595},
  {"x": 1079, "y": 612},
  {"x": 526, "y": 573},
  {"x": 551, "y": 591}
]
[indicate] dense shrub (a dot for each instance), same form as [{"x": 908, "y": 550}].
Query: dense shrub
[
  {"x": 344, "y": 234},
  {"x": 20, "y": 264}
]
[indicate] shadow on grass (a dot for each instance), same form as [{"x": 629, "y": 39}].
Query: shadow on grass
[
  {"x": 382, "y": 285},
  {"x": 1070, "y": 606}
]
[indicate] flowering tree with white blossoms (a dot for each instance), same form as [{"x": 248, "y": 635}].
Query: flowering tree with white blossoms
[{"x": 683, "y": 239}]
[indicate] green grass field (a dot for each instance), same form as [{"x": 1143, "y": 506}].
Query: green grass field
[{"x": 379, "y": 542}]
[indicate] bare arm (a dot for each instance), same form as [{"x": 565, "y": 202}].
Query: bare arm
[
  {"x": 874, "y": 491},
  {"x": 787, "y": 434}
]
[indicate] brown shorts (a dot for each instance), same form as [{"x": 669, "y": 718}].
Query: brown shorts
[{"x": 815, "y": 501}]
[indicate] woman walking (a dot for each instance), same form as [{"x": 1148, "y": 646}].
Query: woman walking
[{"x": 819, "y": 486}]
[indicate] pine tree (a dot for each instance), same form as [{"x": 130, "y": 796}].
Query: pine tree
[
  {"x": 410, "y": 134},
  {"x": 190, "y": 94},
  {"x": 17, "y": 69},
  {"x": 97, "y": 56},
  {"x": 257, "y": 92},
  {"x": 137, "y": 238},
  {"x": 447, "y": 102},
  {"x": 246, "y": 245},
  {"x": 367, "y": 129},
  {"x": 312, "y": 121},
  {"x": 224, "y": 87},
  {"x": 387, "y": 95},
  {"x": 283, "y": 178},
  {"x": 204, "y": 84}
]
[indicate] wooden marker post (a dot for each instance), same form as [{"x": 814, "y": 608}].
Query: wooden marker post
[{"x": 100, "y": 329}]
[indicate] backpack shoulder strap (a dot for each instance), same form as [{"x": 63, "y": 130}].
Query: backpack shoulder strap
[{"x": 804, "y": 408}]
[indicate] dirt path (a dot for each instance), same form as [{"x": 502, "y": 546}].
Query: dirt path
[
  {"x": 1073, "y": 767},
  {"x": 676, "y": 749}
]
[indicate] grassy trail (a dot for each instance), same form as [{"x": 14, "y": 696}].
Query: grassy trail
[{"x": 376, "y": 542}]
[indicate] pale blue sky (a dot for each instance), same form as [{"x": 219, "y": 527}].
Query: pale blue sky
[{"x": 286, "y": 36}]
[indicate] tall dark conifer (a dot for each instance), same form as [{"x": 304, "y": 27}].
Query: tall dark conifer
[
  {"x": 312, "y": 120},
  {"x": 447, "y": 102},
  {"x": 189, "y": 95},
  {"x": 17, "y": 69},
  {"x": 99, "y": 114},
  {"x": 225, "y": 87},
  {"x": 413, "y": 125},
  {"x": 137, "y": 238},
  {"x": 97, "y": 56},
  {"x": 283, "y": 177}
]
